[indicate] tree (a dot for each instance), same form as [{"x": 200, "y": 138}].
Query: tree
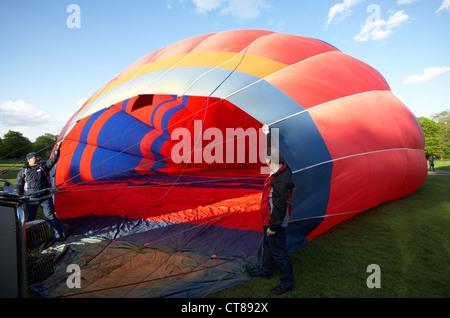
[
  {"x": 433, "y": 133},
  {"x": 443, "y": 119},
  {"x": 446, "y": 149},
  {"x": 15, "y": 145},
  {"x": 44, "y": 144}
]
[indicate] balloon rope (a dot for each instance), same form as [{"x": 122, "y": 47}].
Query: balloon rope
[
  {"x": 88, "y": 264},
  {"x": 163, "y": 184},
  {"x": 184, "y": 166},
  {"x": 207, "y": 106},
  {"x": 164, "y": 159},
  {"x": 354, "y": 155},
  {"x": 12, "y": 165},
  {"x": 129, "y": 83},
  {"x": 207, "y": 101},
  {"x": 272, "y": 74},
  {"x": 163, "y": 277},
  {"x": 124, "y": 150}
]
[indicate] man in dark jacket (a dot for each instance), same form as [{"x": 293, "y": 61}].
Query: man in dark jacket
[
  {"x": 33, "y": 180},
  {"x": 275, "y": 212}
]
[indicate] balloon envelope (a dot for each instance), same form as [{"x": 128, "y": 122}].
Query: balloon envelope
[{"x": 169, "y": 151}]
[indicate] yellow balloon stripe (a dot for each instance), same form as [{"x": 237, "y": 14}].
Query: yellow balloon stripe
[{"x": 249, "y": 64}]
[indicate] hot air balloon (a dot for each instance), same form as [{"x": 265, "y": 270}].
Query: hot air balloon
[{"x": 168, "y": 152}]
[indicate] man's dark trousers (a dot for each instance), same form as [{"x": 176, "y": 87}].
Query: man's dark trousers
[
  {"x": 274, "y": 250},
  {"x": 56, "y": 226}
]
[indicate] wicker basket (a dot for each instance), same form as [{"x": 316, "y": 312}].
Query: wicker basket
[
  {"x": 39, "y": 267},
  {"x": 36, "y": 233}
]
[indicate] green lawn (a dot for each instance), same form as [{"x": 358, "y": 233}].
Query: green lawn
[
  {"x": 13, "y": 167},
  {"x": 408, "y": 239},
  {"x": 442, "y": 165}
]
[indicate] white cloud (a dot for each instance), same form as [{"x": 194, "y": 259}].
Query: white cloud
[
  {"x": 405, "y": 1},
  {"x": 23, "y": 117},
  {"x": 444, "y": 6},
  {"x": 379, "y": 29},
  {"x": 340, "y": 11},
  {"x": 22, "y": 114},
  {"x": 244, "y": 9},
  {"x": 204, "y": 6},
  {"x": 428, "y": 75}
]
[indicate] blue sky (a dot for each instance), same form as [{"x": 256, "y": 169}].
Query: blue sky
[{"x": 56, "y": 54}]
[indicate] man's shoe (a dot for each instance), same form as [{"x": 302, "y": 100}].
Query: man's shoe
[
  {"x": 258, "y": 274},
  {"x": 279, "y": 291}
]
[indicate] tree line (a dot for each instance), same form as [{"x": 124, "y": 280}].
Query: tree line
[
  {"x": 15, "y": 145},
  {"x": 437, "y": 134},
  {"x": 436, "y": 131}
]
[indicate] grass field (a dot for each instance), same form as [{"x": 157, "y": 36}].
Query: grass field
[
  {"x": 407, "y": 238},
  {"x": 13, "y": 167}
]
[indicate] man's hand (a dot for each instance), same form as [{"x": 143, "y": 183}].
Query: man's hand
[
  {"x": 265, "y": 129},
  {"x": 58, "y": 144},
  {"x": 270, "y": 232}
]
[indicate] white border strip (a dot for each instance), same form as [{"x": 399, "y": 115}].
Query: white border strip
[{"x": 355, "y": 155}]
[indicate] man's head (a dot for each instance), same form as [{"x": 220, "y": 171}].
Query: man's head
[
  {"x": 275, "y": 159},
  {"x": 33, "y": 159}
]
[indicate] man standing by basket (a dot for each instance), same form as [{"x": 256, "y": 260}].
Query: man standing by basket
[{"x": 34, "y": 180}]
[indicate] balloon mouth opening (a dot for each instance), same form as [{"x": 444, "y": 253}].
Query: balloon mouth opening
[{"x": 167, "y": 158}]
